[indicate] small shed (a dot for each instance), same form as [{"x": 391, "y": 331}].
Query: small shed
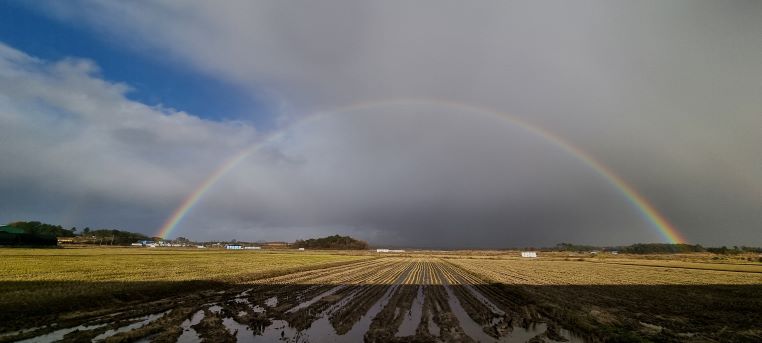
[{"x": 530, "y": 254}]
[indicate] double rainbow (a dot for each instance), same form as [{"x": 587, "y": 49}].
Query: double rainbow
[{"x": 648, "y": 211}]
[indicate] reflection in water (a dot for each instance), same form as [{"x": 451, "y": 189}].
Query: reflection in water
[
  {"x": 190, "y": 335},
  {"x": 413, "y": 317},
  {"x": 142, "y": 321},
  {"x": 59, "y": 334}
]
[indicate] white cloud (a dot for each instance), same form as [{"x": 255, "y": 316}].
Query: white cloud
[{"x": 67, "y": 131}]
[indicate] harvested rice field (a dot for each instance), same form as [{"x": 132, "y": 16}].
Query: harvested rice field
[{"x": 419, "y": 297}]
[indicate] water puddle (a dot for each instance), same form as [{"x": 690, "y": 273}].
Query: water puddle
[
  {"x": 518, "y": 334},
  {"x": 321, "y": 330},
  {"x": 242, "y": 301},
  {"x": 315, "y": 299},
  {"x": 433, "y": 327},
  {"x": 241, "y": 332},
  {"x": 479, "y": 296},
  {"x": 413, "y": 317},
  {"x": 358, "y": 331},
  {"x": 278, "y": 331},
  {"x": 469, "y": 326},
  {"x": 244, "y": 293},
  {"x": 19, "y": 332},
  {"x": 272, "y": 301},
  {"x": 142, "y": 321},
  {"x": 190, "y": 335},
  {"x": 59, "y": 334}
]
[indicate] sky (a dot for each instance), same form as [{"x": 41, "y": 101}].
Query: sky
[{"x": 440, "y": 124}]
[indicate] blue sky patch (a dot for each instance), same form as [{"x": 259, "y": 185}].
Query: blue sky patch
[{"x": 153, "y": 81}]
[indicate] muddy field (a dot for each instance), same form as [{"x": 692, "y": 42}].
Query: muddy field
[{"x": 403, "y": 299}]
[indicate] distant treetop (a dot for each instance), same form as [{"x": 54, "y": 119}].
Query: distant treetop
[{"x": 332, "y": 242}]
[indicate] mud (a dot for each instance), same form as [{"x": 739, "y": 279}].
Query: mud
[{"x": 384, "y": 300}]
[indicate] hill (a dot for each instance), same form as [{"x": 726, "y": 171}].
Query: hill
[{"x": 332, "y": 242}]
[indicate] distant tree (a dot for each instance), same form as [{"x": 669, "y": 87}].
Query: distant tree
[
  {"x": 86, "y": 230},
  {"x": 639, "y": 248},
  {"x": 660, "y": 248},
  {"x": 42, "y": 229},
  {"x": 182, "y": 240}
]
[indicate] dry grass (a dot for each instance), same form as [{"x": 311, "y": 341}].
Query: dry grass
[
  {"x": 38, "y": 281},
  {"x": 610, "y": 272},
  {"x": 606, "y": 297}
]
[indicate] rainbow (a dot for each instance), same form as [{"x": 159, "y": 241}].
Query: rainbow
[{"x": 648, "y": 211}]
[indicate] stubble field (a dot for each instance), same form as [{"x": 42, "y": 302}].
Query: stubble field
[{"x": 147, "y": 295}]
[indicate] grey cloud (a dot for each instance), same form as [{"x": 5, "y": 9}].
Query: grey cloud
[{"x": 665, "y": 93}]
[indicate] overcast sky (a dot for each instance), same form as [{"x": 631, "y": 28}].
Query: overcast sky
[{"x": 112, "y": 113}]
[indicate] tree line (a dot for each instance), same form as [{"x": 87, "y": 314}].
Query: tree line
[
  {"x": 656, "y": 248},
  {"x": 87, "y": 235},
  {"x": 332, "y": 242}
]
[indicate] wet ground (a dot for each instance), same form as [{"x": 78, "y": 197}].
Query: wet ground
[{"x": 381, "y": 300}]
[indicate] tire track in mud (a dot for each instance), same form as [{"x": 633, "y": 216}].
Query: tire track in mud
[
  {"x": 514, "y": 318},
  {"x": 388, "y": 299},
  {"x": 344, "y": 318}
]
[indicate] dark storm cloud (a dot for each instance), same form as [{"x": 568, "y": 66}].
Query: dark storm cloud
[{"x": 665, "y": 93}]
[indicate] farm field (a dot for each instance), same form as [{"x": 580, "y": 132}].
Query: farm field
[{"x": 224, "y": 296}]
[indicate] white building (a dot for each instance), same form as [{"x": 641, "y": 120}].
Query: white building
[
  {"x": 252, "y": 248},
  {"x": 389, "y": 250},
  {"x": 233, "y": 247},
  {"x": 301, "y": 249},
  {"x": 531, "y": 254}
]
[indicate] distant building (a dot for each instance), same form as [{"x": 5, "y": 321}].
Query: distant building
[
  {"x": 252, "y": 248},
  {"x": 233, "y": 247},
  {"x": 614, "y": 252},
  {"x": 301, "y": 249},
  {"x": 389, "y": 250},
  {"x": 200, "y": 247},
  {"x": 530, "y": 254}
]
